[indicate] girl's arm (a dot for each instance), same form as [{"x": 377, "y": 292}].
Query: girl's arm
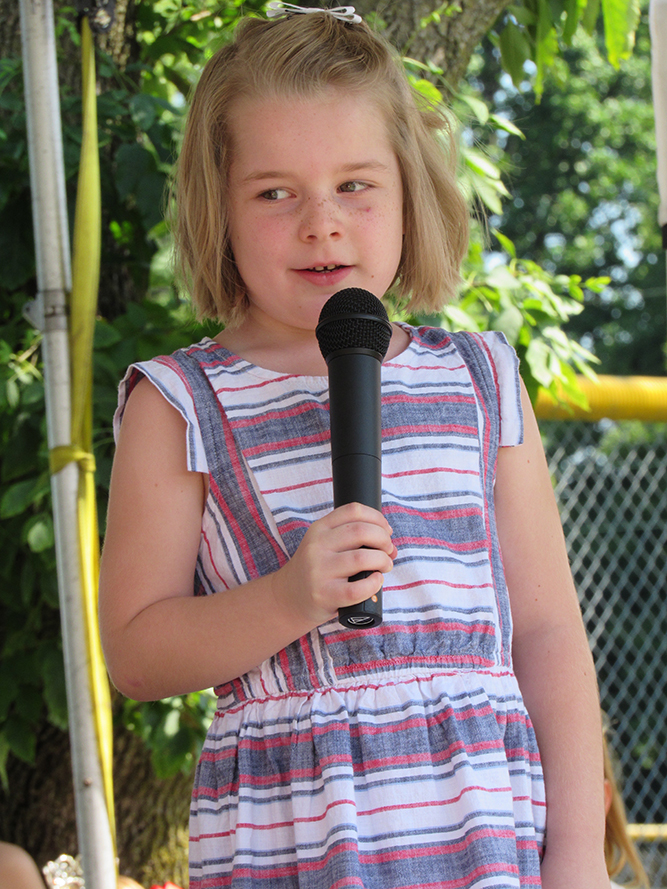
[
  {"x": 159, "y": 639},
  {"x": 553, "y": 664}
]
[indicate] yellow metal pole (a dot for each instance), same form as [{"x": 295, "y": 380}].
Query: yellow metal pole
[{"x": 613, "y": 398}]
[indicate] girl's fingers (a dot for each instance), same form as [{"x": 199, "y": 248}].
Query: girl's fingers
[
  {"x": 362, "y": 589},
  {"x": 353, "y": 561},
  {"x": 353, "y": 526},
  {"x": 352, "y": 537},
  {"x": 356, "y": 512}
]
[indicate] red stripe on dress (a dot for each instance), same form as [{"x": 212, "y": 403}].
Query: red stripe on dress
[
  {"x": 432, "y": 581},
  {"x": 417, "y": 628},
  {"x": 469, "y": 547},
  {"x": 429, "y": 429},
  {"x": 284, "y": 445},
  {"x": 268, "y": 416},
  {"x": 428, "y": 471}
]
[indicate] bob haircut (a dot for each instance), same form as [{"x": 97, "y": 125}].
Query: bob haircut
[
  {"x": 302, "y": 56},
  {"x": 619, "y": 849}
]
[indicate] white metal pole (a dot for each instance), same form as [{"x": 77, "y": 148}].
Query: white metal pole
[
  {"x": 658, "y": 26},
  {"x": 49, "y": 212}
]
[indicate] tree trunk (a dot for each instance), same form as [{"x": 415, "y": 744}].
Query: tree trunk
[
  {"x": 448, "y": 42},
  {"x": 152, "y": 814},
  {"x": 119, "y": 42}
]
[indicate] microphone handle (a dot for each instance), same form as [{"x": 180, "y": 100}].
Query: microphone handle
[
  {"x": 356, "y": 449},
  {"x": 358, "y": 478}
]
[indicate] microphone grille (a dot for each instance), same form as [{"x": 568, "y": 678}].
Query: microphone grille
[{"x": 353, "y": 319}]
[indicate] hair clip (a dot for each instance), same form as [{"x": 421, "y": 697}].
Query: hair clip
[{"x": 276, "y": 8}]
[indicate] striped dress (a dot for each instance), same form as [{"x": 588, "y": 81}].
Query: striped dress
[{"x": 400, "y": 756}]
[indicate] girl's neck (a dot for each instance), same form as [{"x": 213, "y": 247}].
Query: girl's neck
[{"x": 301, "y": 357}]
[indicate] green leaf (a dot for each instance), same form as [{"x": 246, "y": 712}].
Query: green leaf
[
  {"x": 55, "y": 692},
  {"x": 482, "y": 165},
  {"x": 28, "y": 703},
  {"x": 477, "y": 106},
  {"x": 537, "y": 357},
  {"x": 21, "y": 452},
  {"x": 571, "y": 389},
  {"x": 18, "y": 497},
  {"x": 4, "y": 753},
  {"x": 573, "y": 11},
  {"x": 523, "y": 15},
  {"x": 142, "y": 109},
  {"x": 510, "y": 322},
  {"x": 12, "y": 392},
  {"x": 427, "y": 89},
  {"x": 546, "y": 45},
  {"x": 105, "y": 334},
  {"x": 514, "y": 51},
  {"x": 620, "y": 23},
  {"x": 506, "y": 244},
  {"x": 138, "y": 180},
  {"x": 27, "y": 581},
  {"x": 40, "y": 533},
  {"x": 590, "y": 16},
  {"x": 504, "y": 124},
  {"x": 455, "y": 319},
  {"x": 20, "y": 738},
  {"x": 8, "y": 692}
]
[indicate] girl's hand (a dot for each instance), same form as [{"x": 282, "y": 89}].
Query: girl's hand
[{"x": 314, "y": 583}]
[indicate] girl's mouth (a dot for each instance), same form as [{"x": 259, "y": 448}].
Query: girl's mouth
[{"x": 325, "y": 275}]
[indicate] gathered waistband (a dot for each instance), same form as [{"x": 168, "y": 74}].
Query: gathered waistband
[{"x": 264, "y": 684}]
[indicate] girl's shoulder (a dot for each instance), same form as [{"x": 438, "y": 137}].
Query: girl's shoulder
[
  {"x": 491, "y": 366},
  {"x": 175, "y": 377},
  {"x": 437, "y": 337},
  {"x": 483, "y": 353}
]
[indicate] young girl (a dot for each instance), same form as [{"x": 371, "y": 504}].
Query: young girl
[{"x": 392, "y": 757}]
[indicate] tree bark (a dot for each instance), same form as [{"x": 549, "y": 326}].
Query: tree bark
[
  {"x": 449, "y": 42},
  {"x": 38, "y": 812}
]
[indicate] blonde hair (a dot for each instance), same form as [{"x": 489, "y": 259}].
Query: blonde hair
[
  {"x": 128, "y": 883},
  {"x": 301, "y": 56},
  {"x": 619, "y": 849}
]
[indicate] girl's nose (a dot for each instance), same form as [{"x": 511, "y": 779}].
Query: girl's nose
[{"x": 320, "y": 220}]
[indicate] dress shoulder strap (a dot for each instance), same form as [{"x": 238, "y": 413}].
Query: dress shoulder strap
[{"x": 232, "y": 483}]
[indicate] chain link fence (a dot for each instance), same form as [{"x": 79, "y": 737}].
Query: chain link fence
[{"x": 611, "y": 484}]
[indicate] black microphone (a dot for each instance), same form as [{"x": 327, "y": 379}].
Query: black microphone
[{"x": 353, "y": 334}]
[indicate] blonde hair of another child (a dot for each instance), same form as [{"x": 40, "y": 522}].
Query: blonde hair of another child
[
  {"x": 302, "y": 57},
  {"x": 619, "y": 849}
]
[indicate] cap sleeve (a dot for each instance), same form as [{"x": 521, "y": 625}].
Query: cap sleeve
[
  {"x": 165, "y": 374},
  {"x": 505, "y": 365}
]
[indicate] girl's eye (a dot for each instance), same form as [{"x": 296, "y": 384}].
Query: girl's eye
[
  {"x": 351, "y": 187},
  {"x": 274, "y": 194}
]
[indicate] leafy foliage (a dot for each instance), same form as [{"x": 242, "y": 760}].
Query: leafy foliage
[
  {"x": 529, "y": 303},
  {"x": 587, "y": 201},
  {"x": 31, "y": 672},
  {"x": 536, "y": 30}
]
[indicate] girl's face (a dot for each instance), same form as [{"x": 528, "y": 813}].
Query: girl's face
[{"x": 316, "y": 204}]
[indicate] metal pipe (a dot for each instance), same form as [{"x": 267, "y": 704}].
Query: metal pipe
[
  {"x": 52, "y": 250},
  {"x": 658, "y": 28},
  {"x": 612, "y": 398}
]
